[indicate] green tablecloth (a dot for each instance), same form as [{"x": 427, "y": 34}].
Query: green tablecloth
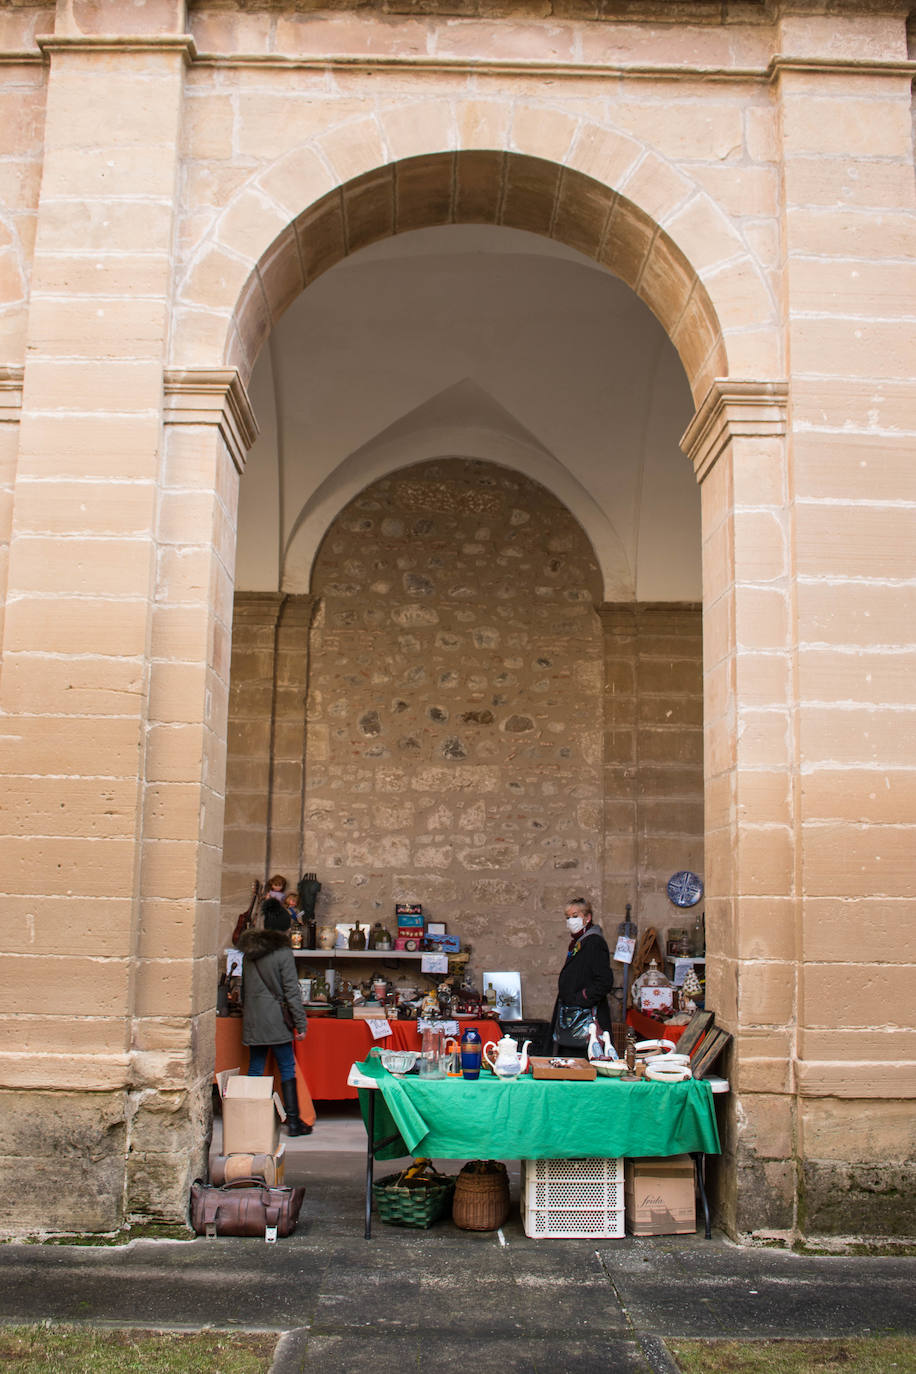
[{"x": 528, "y": 1118}]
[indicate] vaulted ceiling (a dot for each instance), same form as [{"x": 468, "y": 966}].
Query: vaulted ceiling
[{"x": 483, "y": 342}]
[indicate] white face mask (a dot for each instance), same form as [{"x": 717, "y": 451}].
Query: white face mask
[{"x": 574, "y": 924}]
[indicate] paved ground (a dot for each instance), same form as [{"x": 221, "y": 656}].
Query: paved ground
[{"x": 450, "y": 1300}]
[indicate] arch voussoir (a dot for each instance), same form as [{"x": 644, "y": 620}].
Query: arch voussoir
[{"x": 522, "y": 164}]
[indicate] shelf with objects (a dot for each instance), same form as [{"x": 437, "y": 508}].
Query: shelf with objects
[
  {"x": 364, "y": 985},
  {"x": 364, "y": 954}
]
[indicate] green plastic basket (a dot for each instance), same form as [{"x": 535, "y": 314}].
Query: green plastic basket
[{"x": 417, "y": 1201}]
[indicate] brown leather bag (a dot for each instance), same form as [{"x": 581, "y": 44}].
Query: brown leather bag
[{"x": 245, "y": 1207}]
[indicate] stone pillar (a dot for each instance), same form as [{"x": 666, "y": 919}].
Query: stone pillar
[
  {"x": 81, "y": 686},
  {"x": 267, "y": 744},
  {"x": 849, "y": 277},
  {"x": 620, "y": 780},
  {"x": 248, "y": 765},
  {"x": 288, "y": 748},
  {"x": 737, "y": 445},
  {"x": 669, "y": 748},
  {"x": 10, "y": 406},
  {"x": 653, "y": 757}
]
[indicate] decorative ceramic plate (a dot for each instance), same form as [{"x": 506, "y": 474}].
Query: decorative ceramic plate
[{"x": 685, "y": 888}]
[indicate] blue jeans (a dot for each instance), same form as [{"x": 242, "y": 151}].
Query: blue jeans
[{"x": 286, "y": 1060}]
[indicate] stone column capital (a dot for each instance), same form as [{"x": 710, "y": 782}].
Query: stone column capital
[
  {"x": 212, "y": 396},
  {"x": 617, "y": 618},
  {"x": 297, "y": 609},
  {"x": 182, "y": 43},
  {"x": 732, "y": 409}
]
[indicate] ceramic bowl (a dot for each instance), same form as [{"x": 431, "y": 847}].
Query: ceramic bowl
[
  {"x": 610, "y": 1068},
  {"x": 398, "y": 1061}
]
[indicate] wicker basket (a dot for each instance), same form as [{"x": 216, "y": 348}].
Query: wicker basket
[
  {"x": 418, "y": 1200},
  {"x": 481, "y": 1196}
]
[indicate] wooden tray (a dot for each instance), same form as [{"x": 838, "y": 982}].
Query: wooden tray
[{"x": 580, "y": 1069}]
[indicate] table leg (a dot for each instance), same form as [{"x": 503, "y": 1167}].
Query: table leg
[
  {"x": 699, "y": 1163},
  {"x": 370, "y": 1159},
  {"x": 371, "y": 1146}
]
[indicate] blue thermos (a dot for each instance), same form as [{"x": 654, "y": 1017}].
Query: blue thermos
[{"x": 471, "y": 1050}]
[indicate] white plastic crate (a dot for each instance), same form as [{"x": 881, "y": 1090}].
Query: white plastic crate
[{"x": 563, "y": 1199}]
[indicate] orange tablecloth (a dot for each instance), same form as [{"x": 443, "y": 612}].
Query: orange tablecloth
[
  {"x": 650, "y": 1029},
  {"x": 331, "y": 1046},
  {"x": 232, "y": 1054}
]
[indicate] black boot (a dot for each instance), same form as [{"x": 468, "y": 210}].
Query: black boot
[{"x": 294, "y": 1123}]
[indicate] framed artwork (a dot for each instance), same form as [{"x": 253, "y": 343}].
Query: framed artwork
[
  {"x": 508, "y": 989},
  {"x": 694, "y": 1031},
  {"x": 714, "y": 1044}
]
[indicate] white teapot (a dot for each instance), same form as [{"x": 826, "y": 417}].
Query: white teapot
[{"x": 509, "y": 1062}]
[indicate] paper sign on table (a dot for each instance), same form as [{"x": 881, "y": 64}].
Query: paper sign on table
[
  {"x": 379, "y": 1027},
  {"x": 446, "y": 1027},
  {"x": 624, "y": 949},
  {"x": 434, "y": 963}
]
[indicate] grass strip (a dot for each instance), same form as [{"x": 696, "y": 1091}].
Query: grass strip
[
  {"x": 856, "y": 1354},
  {"x": 58, "y": 1349}
]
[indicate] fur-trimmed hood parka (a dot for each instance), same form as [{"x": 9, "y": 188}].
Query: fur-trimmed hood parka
[{"x": 269, "y": 975}]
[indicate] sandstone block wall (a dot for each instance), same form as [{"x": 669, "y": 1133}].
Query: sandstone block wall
[{"x": 748, "y": 170}]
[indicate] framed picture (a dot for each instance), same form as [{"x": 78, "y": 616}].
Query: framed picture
[
  {"x": 696, "y": 1028},
  {"x": 508, "y": 989},
  {"x": 714, "y": 1044}
]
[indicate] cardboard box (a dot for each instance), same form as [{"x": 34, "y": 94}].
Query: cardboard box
[
  {"x": 660, "y": 1196},
  {"x": 442, "y": 944},
  {"x": 252, "y": 1113},
  {"x": 656, "y": 1001}
]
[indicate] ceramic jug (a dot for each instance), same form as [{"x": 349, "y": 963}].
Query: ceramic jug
[{"x": 508, "y": 1062}]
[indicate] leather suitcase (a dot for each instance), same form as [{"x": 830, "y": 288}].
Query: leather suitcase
[{"x": 246, "y": 1207}]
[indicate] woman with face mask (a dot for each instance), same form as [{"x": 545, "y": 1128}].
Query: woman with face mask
[{"x": 584, "y": 982}]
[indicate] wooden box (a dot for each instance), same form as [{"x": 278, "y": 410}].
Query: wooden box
[{"x": 579, "y": 1069}]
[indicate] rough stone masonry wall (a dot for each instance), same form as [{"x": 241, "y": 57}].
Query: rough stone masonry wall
[{"x": 454, "y": 735}]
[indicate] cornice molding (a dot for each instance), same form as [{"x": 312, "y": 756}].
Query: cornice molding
[
  {"x": 423, "y": 62},
  {"x": 675, "y": 72},
  {"x": 733, "y": 409},
  {"x": 212, "y": 396},
  {"x": 844, "y": 66},
  {"x": 11, "y": 379}
]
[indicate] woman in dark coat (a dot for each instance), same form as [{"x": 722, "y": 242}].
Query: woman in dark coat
[
  {"x": 586, "y": 977},
  {"x": 269, "y": 978}
]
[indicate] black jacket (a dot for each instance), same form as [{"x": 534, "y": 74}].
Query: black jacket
[
  {"x": 586, "y": 978},
  {"x": 262, "y": 1020}
]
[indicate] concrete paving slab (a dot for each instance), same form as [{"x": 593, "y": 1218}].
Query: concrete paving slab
[
  {"x": 727, "y": 1290},
  {"x": 449, "y": 1353},
  {"x": 463, "y": 1300}
]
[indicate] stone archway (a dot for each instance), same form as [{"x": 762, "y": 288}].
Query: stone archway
[
  {"x": 504, "y": 189},
  {"x": 509, "y": 188}
]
